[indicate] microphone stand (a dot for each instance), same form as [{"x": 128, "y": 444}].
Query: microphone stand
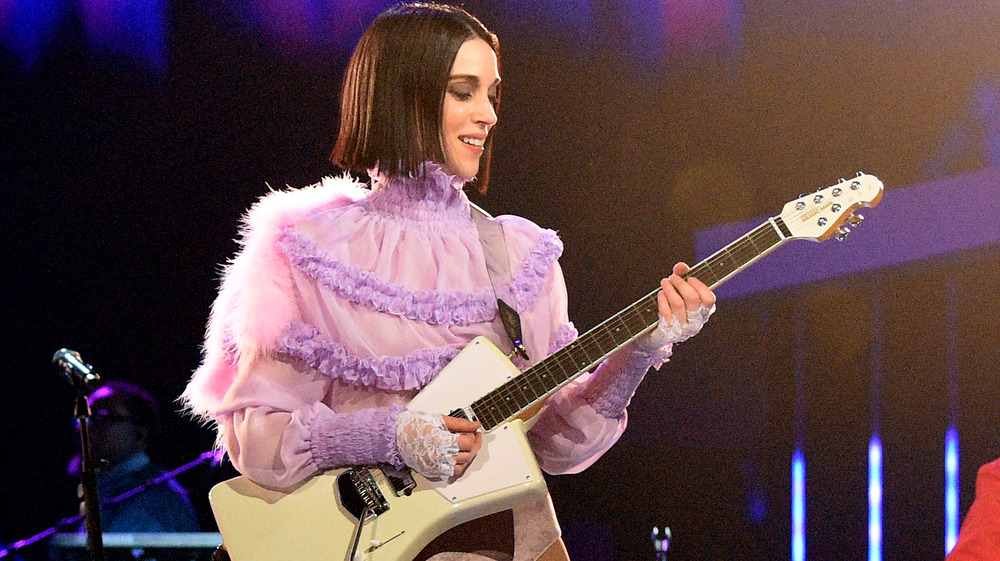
[
  {"x": 85, "y": 381},
  {"x": 88, "y": 476}
]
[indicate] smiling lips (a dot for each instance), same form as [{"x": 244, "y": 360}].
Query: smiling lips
[{"x": 473, "y": 141}]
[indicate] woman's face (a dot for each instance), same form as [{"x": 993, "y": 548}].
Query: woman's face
[{"x": 469, "y": 107}]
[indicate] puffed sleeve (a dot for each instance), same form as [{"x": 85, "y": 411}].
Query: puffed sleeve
[{"x": 278, "y": 430}]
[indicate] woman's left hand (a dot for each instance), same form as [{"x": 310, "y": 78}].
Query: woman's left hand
[
  {"x": 682, "y": 298},
  {"x": 684, "y": 307}
]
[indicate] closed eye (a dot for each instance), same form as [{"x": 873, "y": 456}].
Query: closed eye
[{"x": 460, "y": 95}]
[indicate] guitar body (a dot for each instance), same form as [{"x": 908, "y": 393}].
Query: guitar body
[{"x": 310, "y": 522}]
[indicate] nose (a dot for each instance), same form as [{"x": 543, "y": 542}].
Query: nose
[{"x": 485, "y": 112}]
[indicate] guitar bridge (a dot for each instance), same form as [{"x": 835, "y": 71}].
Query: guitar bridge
[{"x": 359, "y": 491}]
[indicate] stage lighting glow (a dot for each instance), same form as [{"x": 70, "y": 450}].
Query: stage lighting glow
[
  {"x": 875, "y": 499},
  {"x": 566, "y": 16},
  {"x": 706, "y": 29},
  {"x": 132, "y": 28},
  {"x": 950, "y": 489},
  {"x": 27, "y": 27},
  {"x": 798, "y": 506},
  {"x": 310, "y": 27}
]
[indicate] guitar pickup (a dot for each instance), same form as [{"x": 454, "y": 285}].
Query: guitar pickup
[{"x": 401, "y": 480}]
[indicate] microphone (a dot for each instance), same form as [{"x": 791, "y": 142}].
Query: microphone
[{"x": 81, "y": 375}]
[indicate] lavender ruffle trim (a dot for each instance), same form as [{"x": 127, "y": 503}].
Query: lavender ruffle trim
[
  {"x": 429, "y": 306},
  {"x": 565, "y": 335},
  {"x": 364, "y": 437},
  {"x": 535, "y": 267},
  {"x": 364, "y": 288},
  {"x": 395, "y": 373}
]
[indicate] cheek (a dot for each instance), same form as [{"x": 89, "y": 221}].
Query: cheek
[{"x": 451, "y": 119}]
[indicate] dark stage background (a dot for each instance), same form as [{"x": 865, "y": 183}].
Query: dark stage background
[{"x": 124, "y": 179}]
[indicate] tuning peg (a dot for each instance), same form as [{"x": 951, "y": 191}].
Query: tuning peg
[
  {"x": 842, "y": 233},
  {"x": 856, "y": 219}
]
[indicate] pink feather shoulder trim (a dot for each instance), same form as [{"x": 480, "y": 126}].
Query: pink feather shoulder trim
[{"x": 256, "y": 301}]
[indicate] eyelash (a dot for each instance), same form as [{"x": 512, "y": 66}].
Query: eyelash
[{"x": 466, "y": 96}]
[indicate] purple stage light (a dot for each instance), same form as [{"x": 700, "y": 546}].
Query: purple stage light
[
  {"x": 798, "y": 506},
  {"x": 135, "y": 29},
  {"x": 875, "y": 499},
  {"x": 310, "y": 27},
  {"x": 27, "y": 27},
  {"x": 685, "y": 29}
]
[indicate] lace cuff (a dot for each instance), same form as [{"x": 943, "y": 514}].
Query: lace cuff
[
  {"x": 365, "y": 437},
  {"x": 670, "y": 331},
  {"x": 426, "y": 445}
]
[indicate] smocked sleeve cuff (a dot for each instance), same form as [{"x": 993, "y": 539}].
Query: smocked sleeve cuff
[
  {"x": 612, "y": 386},
  {"x": 365, "y": 437}
]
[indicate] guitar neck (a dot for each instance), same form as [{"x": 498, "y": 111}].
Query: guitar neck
[{"x": 544, "y": 378}]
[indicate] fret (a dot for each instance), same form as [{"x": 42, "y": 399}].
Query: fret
[
  {"x": 538, "y": 389},
  {"x": 581, "y": 358},
  {"x": 781, "y": 227},
  {"x": 483, "y": 414},
  {"x": 749, "y": 249},
  {"x": 510, "y": 404},
  {"x": 731, "y": 262},
  {"x": 753, "y": 244},
  {"x": 708, "y": 276},
  {"x": 493, "y": 414},
  {"x": 565, "y": 359},
  {"x": 597, "y": 343},
  {"x": 524, "y": 392},
  {"x": 620, "y": 333},
  {"x": 499, "y": 403}
]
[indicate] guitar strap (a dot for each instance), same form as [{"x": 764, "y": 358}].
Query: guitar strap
[{"x": 498, "y": 267}]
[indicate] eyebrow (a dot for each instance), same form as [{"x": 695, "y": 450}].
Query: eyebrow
[{"x": 474, "y": 80}]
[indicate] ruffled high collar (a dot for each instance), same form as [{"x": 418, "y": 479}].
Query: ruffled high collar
[{"x": 429, "y": 194}]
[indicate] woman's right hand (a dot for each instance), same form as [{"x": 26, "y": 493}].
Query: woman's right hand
[{"x": 437, "y": 446}]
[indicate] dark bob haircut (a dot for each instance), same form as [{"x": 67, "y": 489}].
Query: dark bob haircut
[{"x": 394, "y": 89}]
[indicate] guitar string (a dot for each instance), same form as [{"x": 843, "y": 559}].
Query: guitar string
[
  {"x": 600, "y": 333},
  {"x": 500, "y": 400}
]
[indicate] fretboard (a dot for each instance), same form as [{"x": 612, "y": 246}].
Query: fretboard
[{"x": 588, "y": 350}]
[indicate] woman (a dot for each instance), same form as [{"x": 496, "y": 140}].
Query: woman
[{"x": 347, "y": 299}]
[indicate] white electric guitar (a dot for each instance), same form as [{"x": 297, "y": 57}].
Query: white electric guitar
[{"x": 370, "y": 513}]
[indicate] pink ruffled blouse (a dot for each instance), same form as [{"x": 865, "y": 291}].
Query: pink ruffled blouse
[{"x": 344, "y": 302}]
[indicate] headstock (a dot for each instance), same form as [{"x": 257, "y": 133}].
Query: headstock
[{"x": 819, "y": 215}]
